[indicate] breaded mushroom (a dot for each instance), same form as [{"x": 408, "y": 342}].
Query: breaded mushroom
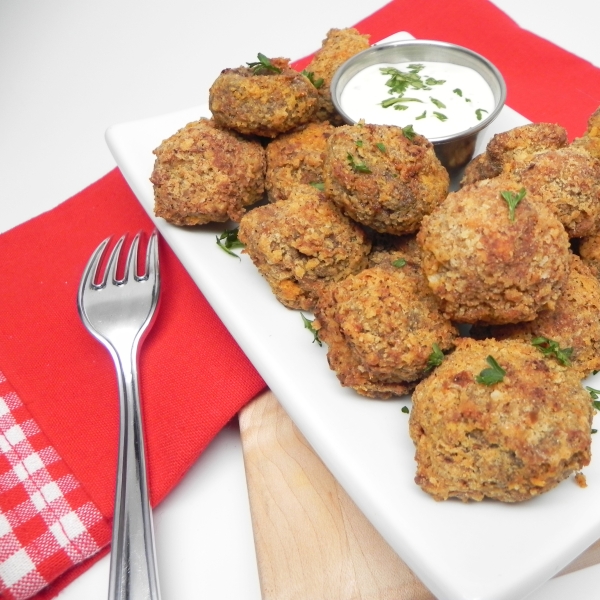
[
  {"x": 301, "y": 244},
  {"x": 382, "y": 177},
  {"x": 487, "y": 263},
  {"x": 263, "y": 100},
  {"x": 296, "y": 158},
  {"x": 590, "y": 141},
  {"x": 380, "y": 327},
  {"x": 568, "y": 181},
  {"x": 510, "y": 439},
  {"x": 572, "y": 330},
  {"x": 338, "y": 46},
  {"x": 205, "y": 174},
  {"x": 513, "y": 149}
]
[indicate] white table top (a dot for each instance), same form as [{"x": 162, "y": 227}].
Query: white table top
[{"x": 70, "y": 69}]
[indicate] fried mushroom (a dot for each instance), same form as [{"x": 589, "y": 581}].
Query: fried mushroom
[
  {"x": 485, "y": 265},
  {"x": 338, "y": 46},
  {"x": 264, "y": 100},
  {"x": 296, "y": 158},
  {"x": 382, "y": 178},
  {"x": 205, "y": 174},
  {"x": 510, "y": 440},
  {"x": 301, "y": 244},
  {"x": 380, "y": 327}
]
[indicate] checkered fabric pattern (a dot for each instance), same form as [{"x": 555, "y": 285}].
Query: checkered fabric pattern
[{"x": 47, "y": 522}]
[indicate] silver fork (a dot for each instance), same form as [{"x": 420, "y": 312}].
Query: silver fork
[{"x": 118, "y": 312}]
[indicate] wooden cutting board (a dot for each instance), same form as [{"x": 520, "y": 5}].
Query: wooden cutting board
[{"x": 312, "y": 542}]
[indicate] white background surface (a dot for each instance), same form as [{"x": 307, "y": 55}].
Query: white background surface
[{"x": 68, "y": 70}]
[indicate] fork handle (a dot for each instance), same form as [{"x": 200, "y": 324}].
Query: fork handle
[{"x": 133, "y": 571}]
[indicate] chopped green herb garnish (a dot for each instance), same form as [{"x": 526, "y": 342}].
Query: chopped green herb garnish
[
  {"x": 432, "y": 81},
  {"x": 308, "y": 324},
  {"x": 358, "y": 167},
  {"x": 318, "y": 83},
  {"x": 493, "y": 375},
  {"x": 458, "y": 92},
  {"x": 409, "y": 132},
  {"x": 594, "y": 431},
  {"x": 399, "y": 263},
  {"x": 381, "y": 147},
  {"x": 263, "y": 64},
  {"x": 478, "y": 113},
  {"x": 595, "y": 394},
  {"x": 437, "y": 102},
  {"x": 551, "y": 348},
  {"x": 435, "y": 358},
  {"x": 421, "y": 116},
  {"x": 398, "y": 102},
  {"x": 228, "y": 241},
  {"x": 405, "y": 410},
  {"x": 440, "y": 116},
  {"x": 320, "y": 186},
  {"x": 512, "y": 200},
  {"x": 359, "y": 143}
]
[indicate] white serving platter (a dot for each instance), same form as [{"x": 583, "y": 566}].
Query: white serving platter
[{"x": 474, "y": 551}]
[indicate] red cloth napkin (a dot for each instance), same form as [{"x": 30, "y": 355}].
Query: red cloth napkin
[{"x": 58, "y": 407}]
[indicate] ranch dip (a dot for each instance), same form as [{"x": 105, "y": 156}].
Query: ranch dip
[{"x": 437, "y": 99}]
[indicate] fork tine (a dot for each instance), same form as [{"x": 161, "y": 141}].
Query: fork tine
[
  {"x": 113, "y": 261},
  {"x": 151, "y": 270},
  {"x": 91, "y": 269},
  {"x": 132, "y": 256}
]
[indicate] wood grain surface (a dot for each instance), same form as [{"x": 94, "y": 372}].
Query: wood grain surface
[{"x": 312, "y": 542}]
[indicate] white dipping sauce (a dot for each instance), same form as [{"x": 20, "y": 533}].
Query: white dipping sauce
[{"x": 464, "y": 99}]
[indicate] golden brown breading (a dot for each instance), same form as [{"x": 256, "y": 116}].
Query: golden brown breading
[
  {"x": 509, "y": 441},
  {"x": 590, "y": 141},
  {"x": 301, "y": 244},
  {"x": 484, "y": 266},
  {"x": 574, "y": 324},
  {"x": 589, "y": 250},
  {"x": 382, "y": 179},
  {"x": 380, "y": 326},
  {"x": 263, "y": 102},
  {"x": 296, "y": 157},
  {"x": 515, "y": 148},
  {"x": 338, "y": 46},
  {"x": 388, "y": 249},
  {"x": 568, "y": 181},
  {"x": 205, "y": 174}
]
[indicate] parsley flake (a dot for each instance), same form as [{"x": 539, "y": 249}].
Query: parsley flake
[
  {"x": 263, "y": 64},
  {"x": 421, "y": 116},
  {"x": 458, "y": 92},
  {"x": 494, "y": 374},
  {"x": 409, "y": 132},
  {"x": 318, "y": 83},
  {"x": 358, "y": 167},
  {"x": 478, "y": 113},
  {"x": 399, "y": 263},
  {"x": 381, "y": 147},
  {"x": 512, "y": 200},
  {"x": 405, "y": 409},
  {"x": 438, "y": 103},
  {"x": 320, "y": 186},
  {"x": 308, "y": 324},
  {"x": 229, "y": 241},
  {"x": 551, "y": 348},
  {"x": 436, "y": 358},
  {"x": 440, "y": 116}
]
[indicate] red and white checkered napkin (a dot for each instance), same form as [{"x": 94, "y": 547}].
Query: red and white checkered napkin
[{"x": 48, "y": 523}]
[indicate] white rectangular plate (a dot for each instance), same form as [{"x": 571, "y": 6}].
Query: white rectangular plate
[{"x": 483, "y": 551}]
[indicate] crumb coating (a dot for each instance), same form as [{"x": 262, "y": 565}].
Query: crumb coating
[
  {"x": 338, "y": 46},
  {"x": 568, "y": 181},
  {"x": 205, "y": 174},
  {"x": 403, "y": 180},
  {"x": 514, "y": 148},
  {"x": 574, "y": 323},
  {"x": 296, "y": 158},
  {"x": 301, "y": 244},
  {"x": 380, "y": 326},
  {"x": 485, "y": 267},
  {"x": 509, "y": 441},
  {"x": 264, "y": 103}
]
